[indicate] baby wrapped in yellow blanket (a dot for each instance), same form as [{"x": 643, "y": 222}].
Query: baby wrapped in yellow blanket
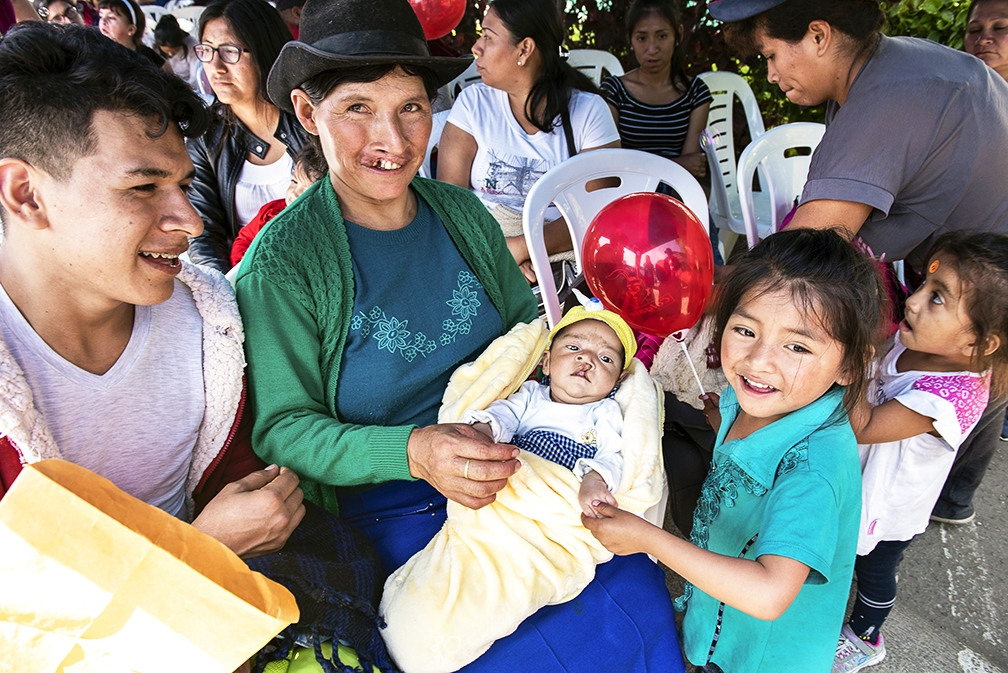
[{"x": 489, "y": 569}]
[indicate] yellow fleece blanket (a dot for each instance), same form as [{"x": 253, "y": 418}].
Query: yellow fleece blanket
[{"x": 489, "y": 569}]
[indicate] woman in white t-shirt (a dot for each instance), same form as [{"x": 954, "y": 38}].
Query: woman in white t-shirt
[{"x": 503, "y": 134}]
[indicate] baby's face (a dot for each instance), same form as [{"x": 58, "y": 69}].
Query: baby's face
[
  {"x": 584, "y": 363},
  {"x": 299, "y": 182}
]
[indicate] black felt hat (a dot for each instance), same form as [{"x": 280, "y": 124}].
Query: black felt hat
[{"x": 338, "y": 34}]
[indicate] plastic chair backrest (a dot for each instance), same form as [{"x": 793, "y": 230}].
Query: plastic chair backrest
[
  {"x": 784, "y": 175},
  {"x": 593, "y": 62},
  {"x": 719, "y": 172},
  {"x": 724, "y": 88},
  {"x": 439, "y": 121},
  {"x": 451, "y": 90},
  {"x": 188, "y": 18},
  {"x": 153, "y": 14},
  {"x": 564, "y": 185}
]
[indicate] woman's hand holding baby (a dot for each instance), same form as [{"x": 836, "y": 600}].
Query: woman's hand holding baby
[
  {"x": 461, "y": 462},
  {"x": 594, "y": 491}
]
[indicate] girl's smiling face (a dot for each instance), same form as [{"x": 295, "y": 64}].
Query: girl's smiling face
[{"x": 777, "y": 356}]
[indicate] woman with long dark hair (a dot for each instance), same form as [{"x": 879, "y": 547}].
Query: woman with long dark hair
[
  {"x": 532, "y": 111},
  {"x": 178, "y": 48},
  {"x": 658, "y": 108},
  {"x": 246, "y": 159}
]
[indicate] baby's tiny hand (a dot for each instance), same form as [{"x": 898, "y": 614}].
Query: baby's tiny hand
[{"x": 593, "y": 491}]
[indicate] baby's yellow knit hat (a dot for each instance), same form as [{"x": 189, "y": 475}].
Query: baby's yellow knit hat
[{"x": 593, "y": 310}]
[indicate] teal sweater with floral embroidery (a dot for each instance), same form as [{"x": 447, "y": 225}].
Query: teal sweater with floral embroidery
[{"x": 295, "y": 290}]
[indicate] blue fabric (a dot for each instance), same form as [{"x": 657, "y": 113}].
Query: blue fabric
[
  {"x": 622, "y": 622},
  {"x": 399, "y": 344},
  {"x": 791, "y": 489},
  {"x": 553, "y": 446},
  {"x": 876, "y": 587}
]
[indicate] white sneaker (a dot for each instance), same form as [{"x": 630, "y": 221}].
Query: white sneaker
[{"x": 853, "y": 654}]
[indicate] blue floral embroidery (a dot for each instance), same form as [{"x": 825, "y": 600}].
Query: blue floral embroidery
[
  {"x": 464, "y": 304},
  {"x": 393, "y": 335},
  {"x": 721, "y": 488}
]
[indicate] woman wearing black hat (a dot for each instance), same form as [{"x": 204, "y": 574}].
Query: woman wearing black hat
[{"x": 363, "y": 297}]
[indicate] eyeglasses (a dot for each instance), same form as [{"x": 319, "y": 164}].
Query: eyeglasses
[
  {"x": 70, "y": 13},
  {"x": 228, "y": 53}
]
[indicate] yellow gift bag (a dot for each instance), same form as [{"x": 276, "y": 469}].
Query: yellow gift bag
[{"x": 92, "y": 579}]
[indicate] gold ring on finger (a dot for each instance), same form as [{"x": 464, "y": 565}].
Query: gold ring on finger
[{"x": 465, "y": 473}]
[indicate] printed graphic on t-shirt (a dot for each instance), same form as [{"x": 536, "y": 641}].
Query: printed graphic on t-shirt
[
  {"x": 509, "y": 177},
  {"x": 393, "y": 334}
]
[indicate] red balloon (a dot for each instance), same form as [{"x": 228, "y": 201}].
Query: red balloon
[
  {"x": 438, "y": 17},
  {"x": 648, "y": 258}
]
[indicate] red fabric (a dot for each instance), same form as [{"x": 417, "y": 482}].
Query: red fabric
[
  {"x": 235, "y": 461},
  {"x": 10, "y": 465},
  {"x": 248, "y": 233},
  {"x": 7, "y": 18},
  {"x": 89, "y": 13}
]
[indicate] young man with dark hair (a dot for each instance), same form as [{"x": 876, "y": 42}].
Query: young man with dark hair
[{"x": 114, "y": 354}]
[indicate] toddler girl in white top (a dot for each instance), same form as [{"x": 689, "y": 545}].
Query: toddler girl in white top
[{"x": 927, "y": 394}]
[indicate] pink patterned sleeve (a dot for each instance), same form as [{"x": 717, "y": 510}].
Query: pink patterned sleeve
[{"x": 966, "y": 394}]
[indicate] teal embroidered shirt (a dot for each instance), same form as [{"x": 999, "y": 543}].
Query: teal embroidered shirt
[
  {"x": 295, "y": 291},
  {"x": 790, "y": 489},
  {"x": 400, "y": 351}
]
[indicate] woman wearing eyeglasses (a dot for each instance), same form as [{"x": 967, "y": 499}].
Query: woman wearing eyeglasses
[
  {"x": 245, "y": 159},
  {"x": 60, "y": 11}
]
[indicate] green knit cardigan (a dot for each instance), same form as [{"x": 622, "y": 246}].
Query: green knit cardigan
[{"x": 295, "y": 291}]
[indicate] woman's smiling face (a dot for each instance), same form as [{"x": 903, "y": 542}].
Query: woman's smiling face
[{"x": 374, "y": 135}]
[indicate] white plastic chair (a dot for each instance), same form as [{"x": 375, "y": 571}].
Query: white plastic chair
[
  {"x": 450, "y": 90},
  {"x": 594, "y": 62},
  {"x": 188, "y": 18},
  {"x": 564, "y": 185},
  {"x": 152, "y": 14},
  {"x": 783, "y": 176},
  {"x": 439, "y": 121},
  {"x": 719, "y": 146}
]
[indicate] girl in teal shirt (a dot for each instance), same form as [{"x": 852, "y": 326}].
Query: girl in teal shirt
[{"x": 775, "y": 531}]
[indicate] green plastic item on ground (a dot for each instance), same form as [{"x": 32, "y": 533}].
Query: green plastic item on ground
[{"x": 302, "y": 660}]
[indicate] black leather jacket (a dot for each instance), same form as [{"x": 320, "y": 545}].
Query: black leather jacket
[{"x": 218, "y": 156}]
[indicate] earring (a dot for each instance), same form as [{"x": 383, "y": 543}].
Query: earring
[{"x": 519, "y": 64}]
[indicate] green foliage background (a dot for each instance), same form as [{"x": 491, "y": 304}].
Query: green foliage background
[{"x": 598, "y": 24}]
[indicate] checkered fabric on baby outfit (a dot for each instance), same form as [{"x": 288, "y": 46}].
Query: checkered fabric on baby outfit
[{"x": 553, "y": 446}]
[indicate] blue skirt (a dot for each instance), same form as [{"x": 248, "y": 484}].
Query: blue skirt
[{"x": 622, "y": 621}]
